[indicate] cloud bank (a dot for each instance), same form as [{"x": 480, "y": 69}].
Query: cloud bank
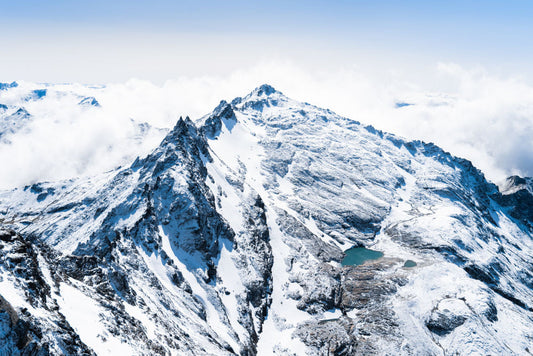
[{"x": 469, "y": 113}]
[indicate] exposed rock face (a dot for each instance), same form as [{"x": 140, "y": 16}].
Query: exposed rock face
[
  {"x": 4, "y": 86},
  {"x": 448, "y": 315},
  {"x": 36, "y": 94},
  {"x": 223, "y": 114},
  {"x": 12, "y": 122},
  {"x": 89, "y": 101},
  {"x": 228, "y": 239},
  {"x": 23, "y": 332},
  {"x": 517, "y": 194}
]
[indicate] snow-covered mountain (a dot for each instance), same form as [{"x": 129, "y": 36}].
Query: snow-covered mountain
[
  {"x": 17, "y": 101},
  {"x": 57, "y": 131},
  {"x": 228, "y": 238}
]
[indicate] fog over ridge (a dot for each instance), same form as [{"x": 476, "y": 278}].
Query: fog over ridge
[{"x": 468, "y": 112}]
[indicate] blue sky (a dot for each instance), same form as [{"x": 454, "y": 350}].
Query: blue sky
[
  {"x": 406, "y": 34},
  {"x": 465, "y": 64}
]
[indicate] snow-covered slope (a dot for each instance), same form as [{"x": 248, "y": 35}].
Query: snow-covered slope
[{"x": 228, "y": 239}]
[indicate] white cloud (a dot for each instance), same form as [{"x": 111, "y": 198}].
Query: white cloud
[{"x": 470, "y": 113}]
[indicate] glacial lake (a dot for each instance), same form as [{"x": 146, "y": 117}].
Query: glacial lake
[
  {"x": 409, "y": 264},
  {"x": 356, "y": 256}
]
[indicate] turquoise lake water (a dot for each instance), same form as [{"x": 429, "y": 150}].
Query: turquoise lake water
[
  {"x": 409, "y": 263},
  {"x": 356, "y": 256}
]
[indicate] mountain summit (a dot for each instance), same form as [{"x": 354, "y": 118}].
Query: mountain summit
[
  {"x": 231, "y": 237},
  {"x": 264, "y": 89}
]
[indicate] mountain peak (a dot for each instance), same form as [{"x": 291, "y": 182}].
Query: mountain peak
[
  {"x": 513, "y": 184},
  {"x": 5, "y": 86},
  {"x": 259, "y": 96},
  {"x": 89, "y": 101},
  {"x": 265, "y": 89}
]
